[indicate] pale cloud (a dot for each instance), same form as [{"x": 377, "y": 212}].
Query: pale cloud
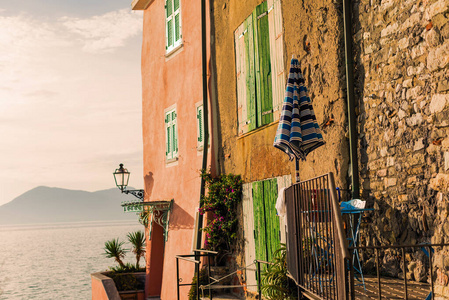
[
  {"x": 24, "y": 42},
  {"x": 107, "y": 32},
  {"x": 60, "y": 101}
]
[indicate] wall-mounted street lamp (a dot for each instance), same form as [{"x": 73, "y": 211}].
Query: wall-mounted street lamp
[
  {"x": 121, "y": 177},
  {"x": 156, "y": 211}
]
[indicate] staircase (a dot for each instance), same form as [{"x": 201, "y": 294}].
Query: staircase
[{"x": 222, "y": 297}]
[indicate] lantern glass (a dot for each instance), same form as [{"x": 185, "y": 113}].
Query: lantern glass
[{"x": 121, "y": 176}]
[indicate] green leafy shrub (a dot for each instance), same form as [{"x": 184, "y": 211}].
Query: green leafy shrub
[
  {"x": 127, "y": 268},
  {"x": 137, "y": 240},
  {"x": 126, "y": 282},
  {"x": 114, "y": 249},
  {"x": 223, "y": 194},
  {"x": 276, "y": 285}
]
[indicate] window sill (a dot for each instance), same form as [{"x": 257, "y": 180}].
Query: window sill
[
  {"x": 171, "y": 162},
  {"x": 169, "y": 54},
  {"x": 258, "y": 129}
]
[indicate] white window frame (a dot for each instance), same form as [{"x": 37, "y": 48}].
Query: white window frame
[
  {"x": 176, "y": 43},
  {"x": 172, "y": 127}
]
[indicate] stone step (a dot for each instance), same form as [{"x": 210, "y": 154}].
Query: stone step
[{"x": 222, "y": 297}]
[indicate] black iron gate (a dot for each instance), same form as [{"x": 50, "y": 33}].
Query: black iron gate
[{"x": 316, "y": 244}]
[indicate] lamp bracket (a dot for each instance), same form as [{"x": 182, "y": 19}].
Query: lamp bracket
[{"x": 136, "y": 193}]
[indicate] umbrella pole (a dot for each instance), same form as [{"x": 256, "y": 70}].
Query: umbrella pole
[{"x": 297, "y": 169}]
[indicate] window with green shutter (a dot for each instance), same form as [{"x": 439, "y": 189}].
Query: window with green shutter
[
  {"x": 257, "y": 68},
  {"x": 173, "y": 24},
  {"x": 171, "y": 135},
  {"x": 200, "y": 126}
]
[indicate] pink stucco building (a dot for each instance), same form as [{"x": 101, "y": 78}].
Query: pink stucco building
[{"x": 173, "y": 137}]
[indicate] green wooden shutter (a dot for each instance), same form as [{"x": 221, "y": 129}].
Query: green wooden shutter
[
  {"x": 241, "y": 73},
  {"x": 277, "y": 55},
  {"x": 169, "y": 21},
  {"x": 260, "y": 234},
  {"x": 250, "y": 74},
  {"x": 174, "y": 134},
  {"x": 177, "y": 28},
  {"x": 177, "y": 17},
  {"x": 168, "y": 8},
  {"x": 264, "y": 95},
  {"x": 248, "y": 233},
  {"x": 168, "y": 150},
  {"x": 199, "y": 117}
]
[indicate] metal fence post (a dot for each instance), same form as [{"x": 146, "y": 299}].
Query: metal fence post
[
  {"x": 177, "y": 275},
  {"x": 431, "y": 271},
  {"x": 197, "y": 271},
  {"x": 258, "y": 280},
  {"x": 378, "y": 273},
  {"x": 405, "y": 273}
]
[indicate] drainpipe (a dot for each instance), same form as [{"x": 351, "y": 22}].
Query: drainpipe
[
  {"x": 205, "y": 114},
  {"x": 347, "y": 20}
]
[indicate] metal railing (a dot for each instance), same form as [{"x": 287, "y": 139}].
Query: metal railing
[
  {"x": 428, "y": 249},
  {"x": 194, "y": 258},
  {"x": 317, "y": 249},
  {"x": 319, "y": 259},
  {"x": 212, "y": 285}
]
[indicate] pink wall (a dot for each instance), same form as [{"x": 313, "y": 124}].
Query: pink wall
[
  {"x": 176, "y": 79},
  {"x": 98, "y": 292},
  {"x": 103, "y": 287}
]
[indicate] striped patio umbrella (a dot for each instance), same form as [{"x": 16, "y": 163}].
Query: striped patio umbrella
[{"x": 298, "y": 132}]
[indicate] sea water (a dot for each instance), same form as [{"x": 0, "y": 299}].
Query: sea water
[{"x": 54, "y": 261}]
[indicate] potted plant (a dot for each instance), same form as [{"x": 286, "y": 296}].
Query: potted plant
[{"x": 129, "y": 279}]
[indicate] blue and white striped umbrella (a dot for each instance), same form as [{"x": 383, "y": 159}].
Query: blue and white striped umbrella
[{"x": 298, "y": 132}]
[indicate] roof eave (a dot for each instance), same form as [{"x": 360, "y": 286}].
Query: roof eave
[{"x": 140, "y": 4}]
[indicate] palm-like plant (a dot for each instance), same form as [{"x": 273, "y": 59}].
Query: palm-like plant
[
  {"x": 137, "y": 239},
  {"x": 276, "y": 284},
  {"x": 114, "y": 249}
]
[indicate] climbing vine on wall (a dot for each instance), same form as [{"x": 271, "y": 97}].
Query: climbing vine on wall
[{"x": 224, "y": 193}]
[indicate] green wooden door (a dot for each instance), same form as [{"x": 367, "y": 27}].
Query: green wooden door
[
  {"x": 266, "y": 223},
  {"x": 260, "y": 233},
  {"x": 272, "y": 220}
]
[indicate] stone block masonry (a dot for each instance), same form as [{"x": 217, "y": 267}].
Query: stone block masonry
[{"x": 402, "y": 73}]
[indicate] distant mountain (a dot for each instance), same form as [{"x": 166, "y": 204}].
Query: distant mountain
[{"x": 47, "y": 205}]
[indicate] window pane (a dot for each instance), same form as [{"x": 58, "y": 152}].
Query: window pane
[{"x": 176, "y": 5}]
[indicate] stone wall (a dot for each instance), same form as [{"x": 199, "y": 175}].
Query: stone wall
[
  {"x": 402, "y": 73},
  {"x": 401, "y": 52},
  {"x": 313, "y": 33}
]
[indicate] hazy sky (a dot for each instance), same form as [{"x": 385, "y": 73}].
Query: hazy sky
[{"x": 70, "y": 94}]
